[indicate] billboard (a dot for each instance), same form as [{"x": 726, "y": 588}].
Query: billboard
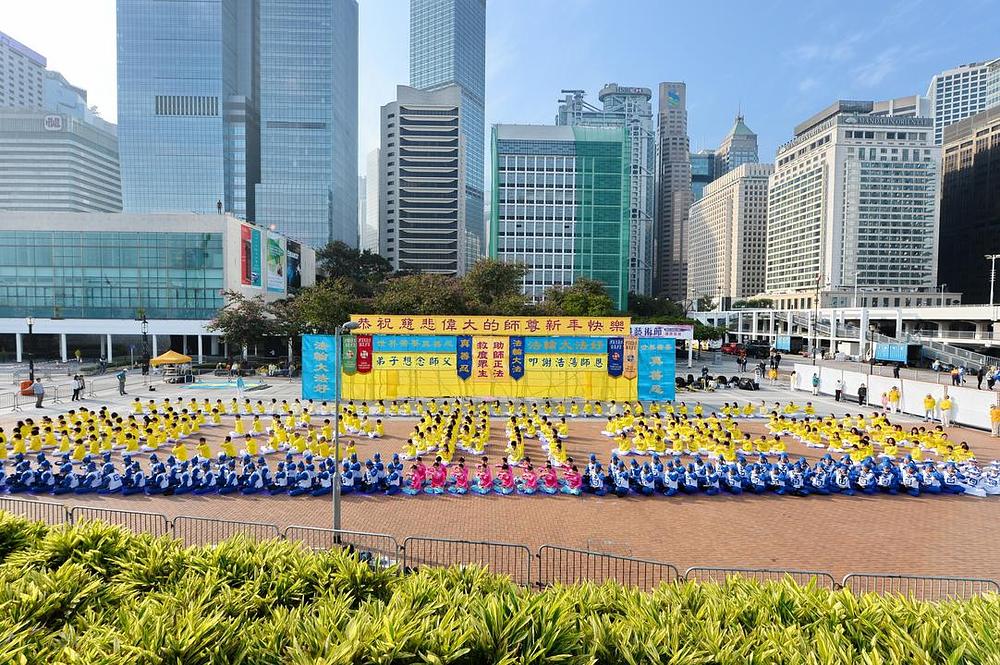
[
  {"x": 293, "y": 267},
  {"x": 250, "y": 274},
  {"x": 275, "y": 264}
]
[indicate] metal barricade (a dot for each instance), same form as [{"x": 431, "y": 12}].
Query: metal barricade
[
  {"x": 507, "y": 559},
  {"x": 40, "y": 511},
  {"x": 56, "y": 395},
  {"x": 377, "y": 549},
  {"x": 10, "y": 401},
  {"x": 920, "y": 587},
  {"x": 209, "y": 531},
  {"x": 803, "y": 577},
  {"x": 565, "y": 565},
  {"x": 137, "y": 522}
]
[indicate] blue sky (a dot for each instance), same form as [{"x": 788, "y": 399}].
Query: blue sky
[{"x": 780, "y": 61}]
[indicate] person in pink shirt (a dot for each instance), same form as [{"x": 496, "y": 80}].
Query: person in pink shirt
[
  {"x": 550, "y": 479},
  {"x": 505, "y": 480},
  {"x": 413, "y": 485},
  {"x": 529, "y": 481},
  {"x": 572, "y": 482},
  {"x": 484, "y": 478},
  {"x": 420, "y": 473},
  {"x": 439, "y": 478},
  {"x": 459, "y": 478}
]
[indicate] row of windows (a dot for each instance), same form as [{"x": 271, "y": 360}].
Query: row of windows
[{"x": 188, "y": 105}]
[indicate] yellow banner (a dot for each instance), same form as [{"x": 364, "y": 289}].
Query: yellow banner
[
  {"x": 391, "y": 360},
  {"x": 559, "y": 361},
  {"x": 630, "y": 366},
  {"x": 397, "y": 324},
  {"x": 489, "y": 357}
]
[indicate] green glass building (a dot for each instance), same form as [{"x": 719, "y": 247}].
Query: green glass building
[{"x": 560, "y": 205}]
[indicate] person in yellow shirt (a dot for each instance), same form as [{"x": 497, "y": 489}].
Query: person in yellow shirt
[
  {"x": 995, "y": 419},
  {"x": 945, "y": 407},
  {"x": 929, "y": 405}
]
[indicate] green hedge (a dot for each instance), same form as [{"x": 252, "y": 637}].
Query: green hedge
[{"x": 93, "y": 593}]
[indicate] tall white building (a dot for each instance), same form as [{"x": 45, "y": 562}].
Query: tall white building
[
  {"x": 368, "y": 224},
  {"x": 957, "y": 93},
  {"x": 728, "y": 235},
  {"x": 853, "y": 204},
  {"x": 22, "y": 75},
  {"x": 421, "y": 182},
  {"x": 993, "y": 83}
]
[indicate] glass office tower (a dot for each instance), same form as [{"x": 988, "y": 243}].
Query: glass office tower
[
  {"x": 448, "y": 47},
  {"x": 186, "y": 91},
  {"x": 309, "y": 119}
]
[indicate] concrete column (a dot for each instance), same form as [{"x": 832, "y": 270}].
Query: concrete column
[
  {"x": 109, "y": 347},
  {"x": 201, "y": 354},
  {"x": 18, "y": 347},
  {"x": 104, "y": 353},
  {"x": 753, "y": 324},
  {"x": 213, "y": 345},
  {"x": 774, "y": 329},
  {"x": 155, "y": 352},
  {"x": 833, "y": 330},
  {"x": 62, "y": 347},
  {"x": 184, "y": 344},
  {"x": 739, "y": 327},
  {"x": 863, "y": 334},
  {"x": 899, "y": 323}
]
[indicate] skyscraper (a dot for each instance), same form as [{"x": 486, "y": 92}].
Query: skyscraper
[
  {"x": 738, "y": 147},
  {"x": 448, "y": 47},
  {"x": 368, "y": 236},
  {"x": 560, "y": 205},
  {"x": 309, "y": 119},
  {"x": 957, "y": 93},
  {"x": 853, "y": 203},
  {"x": 187, "y": 105},
  {"x": 22, "y": 73},
  {"x": 673, "y": 191},
  {"x": 629, "y": 107},
  {"x": 702, "y": 172}
]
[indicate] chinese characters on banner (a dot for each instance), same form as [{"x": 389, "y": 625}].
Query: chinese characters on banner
[
  {"x": 616, "y": 349},
  {"x": 349, "y": 353},
  {"x": 489, "y": 357},
  {"x": 393, "y": 324},
  {"x": 364, "y": 354},
  {"x": 657, "y": 369},
  {"x": 679, "y": 331},
  {"x": 516, "y": 357},
  {"x": 319, "y": 367},
  {"x": 463, "y": 364},
  {"x": 631, "y": 363}
]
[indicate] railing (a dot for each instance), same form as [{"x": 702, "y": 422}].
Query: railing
[
  {"x": 551, "y": 564},
  {"x": 513, "y": 561}
]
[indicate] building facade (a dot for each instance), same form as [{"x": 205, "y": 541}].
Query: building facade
[
  {"x": 993, "y": 83},
  {"x": 702, "y": 172},
  {"x": 853, "y": 203},
  {"x": 970, "y": 204},
  {"x": 308, "y": 95},
  {"x": 628, "y": 107},
  {"x": 957, "y": 93},
  {"x": 448, "y": 47},
  {"x": 560, "y": 205},
  {"x": 22, "y": 75},
  {"x": 673, "y": 191},
  {"x": 739, "y": 146},
  {"x": 728, "y": 235},
  {"x": 368, "y": 234},
  {"x": 421, "y": 184},
  {"x": 55, "y": 162}
]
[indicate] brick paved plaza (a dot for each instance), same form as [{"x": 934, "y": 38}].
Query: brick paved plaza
[{"x": 928, "y": 535}]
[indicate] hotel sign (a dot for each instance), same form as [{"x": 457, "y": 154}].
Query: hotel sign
[{"x": 53, "y": 123}]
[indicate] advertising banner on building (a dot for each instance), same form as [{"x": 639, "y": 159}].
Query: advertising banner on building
[
  {"x": 250, "y": 256},
  {"x": 276, "y": 264},
  {"x": 319, "y": 367},
  {"x": 393, "y": 324},
  {"x": 293, "y": 266},
  {"x": 681, "y": 331},
  {"x": 364, "y": 353}
]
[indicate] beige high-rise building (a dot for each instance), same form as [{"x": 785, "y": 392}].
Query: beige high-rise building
[
  {"x": 727, "y": 232},
  {"x": 673, "y": 191}
]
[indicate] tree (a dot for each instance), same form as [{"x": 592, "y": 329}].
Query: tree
[
  {"x": 642, "y": 307},
  {"x": 242, "y": 321},
  {"x": 754, "y": 303},
  {"x": 705, "y": 332},
  {"x": 365, "y": 270},
  {"x": 494, "y": 287},
  {"x": 585, "y": 297},
  {"x": 323, "y": 307},
  {"x": 422, "y": 293},
  {"x": 705, "y": 304}
]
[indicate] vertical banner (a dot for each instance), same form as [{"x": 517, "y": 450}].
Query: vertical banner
[
  {"x": 246, "y": 248},
  {"x": 657, "y": 369},
  {"x": 294, "y": 265},
  {"x": 489, "y": 357},
  {"x": 364, "y": 343},
  {"x": 630, "y": 367},
  {"x": 256, "y": 272},
  {"x": 516, "y": 357},
  {"x": 463, "y": 358},
  {"x": 275, "y": 264},
  {"x": 349, "y": 353},
  {"x": 616, "y": 349},
  {"x": 319, "y": 367}
]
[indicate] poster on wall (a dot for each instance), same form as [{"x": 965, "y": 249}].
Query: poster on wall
[
  {"x": 275, "y": 264},
  {"x": 293, "y": 265},
  {"x": 250, "y": 256}
]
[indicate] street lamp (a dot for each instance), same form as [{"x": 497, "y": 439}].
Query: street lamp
[
  {"x": 344, "y": 328},
  {"x": 992, "y": 258},
  {"x": 145, "y": 347},
  {"x": 31, "y": 347}
]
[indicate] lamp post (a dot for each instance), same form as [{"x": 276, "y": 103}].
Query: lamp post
[
  {"x": 31, "y": 347},
  {"x": 992, "y": 258},
  {"x": 145, "y": 347},
  {"x": 344, "y": 328}
]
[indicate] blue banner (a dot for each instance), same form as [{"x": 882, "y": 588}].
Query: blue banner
[
  {"x": 657, "y": 369},
  {"x": 783, "y": 343},
  {"x": 567, "y": 345},
  {"x": 413, "y": 343},
  {"x": 319, "y": 367},
  {"x": 463, "y": 358},
  {"x": 616, "y": 354},
  {"x": 515, "y": 357}
]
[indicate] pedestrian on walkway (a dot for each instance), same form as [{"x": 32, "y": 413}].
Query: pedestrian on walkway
[
  {"x": 772, "y": 375},
  {"x": 121, "y": 382},
  {"x": 39, "y": 391},
  {"x": 815, "y": 384},
  {"x": 777, "y": 361},
  {"x": 995, "y": 419},
  {"x": 83, "y": 385},
  {"x": 980, "y": 375},
  {"x": 885, "y": 402},
  {"x": 838, "y": 391},
  {"x": 792, "y": 380},
  {"x": 945, "y": 406},
  {"x": 894, "y": 399},
  {"x": 895, "y": 371},
  {"x": 862, "y": 394},
  {"x": 955, "y": 376},
  {"x": 76, "y": 388}
]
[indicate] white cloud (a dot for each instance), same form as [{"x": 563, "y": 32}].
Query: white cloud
[{"x": 874, "y": 72}]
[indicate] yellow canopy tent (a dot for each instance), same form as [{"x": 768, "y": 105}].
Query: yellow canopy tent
[{"x": 170, "y": 358}]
